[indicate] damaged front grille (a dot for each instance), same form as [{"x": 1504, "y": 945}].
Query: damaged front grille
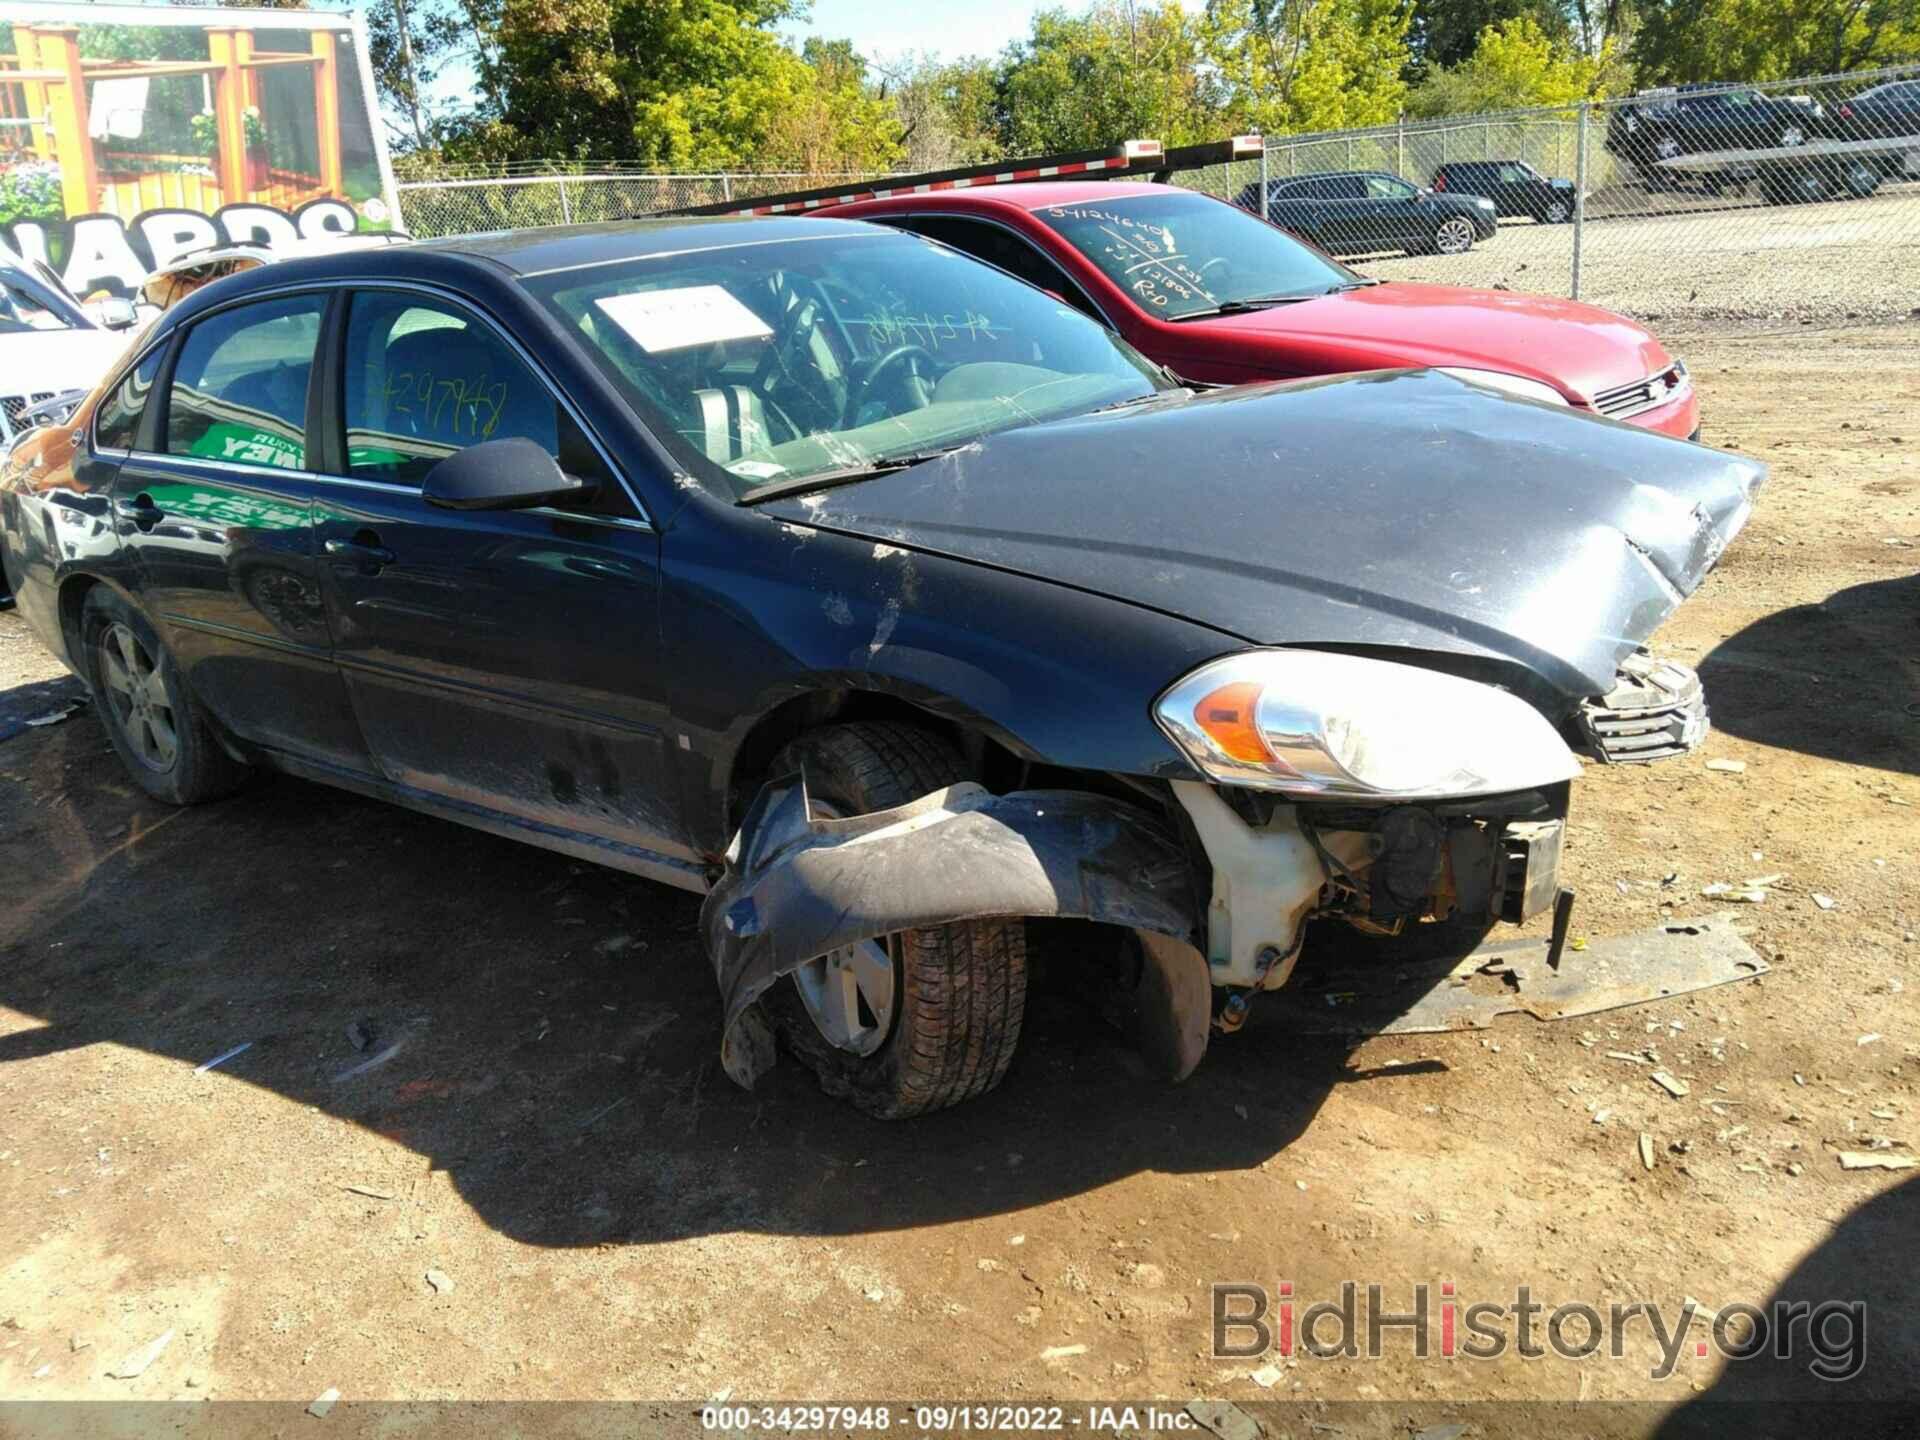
[
  {"x": 1625, "y": 401},
  {"x": 1656, "y": 708}
]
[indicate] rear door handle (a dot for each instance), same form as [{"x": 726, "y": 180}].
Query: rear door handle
[
  {"x": 141, "y": 511},
  {"x": 363, "y": 549}
]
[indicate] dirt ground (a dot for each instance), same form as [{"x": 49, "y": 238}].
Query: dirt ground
[{"x": 538, "y": 1114}]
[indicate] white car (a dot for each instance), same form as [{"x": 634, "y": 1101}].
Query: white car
[{"x": 51, "y": 344}]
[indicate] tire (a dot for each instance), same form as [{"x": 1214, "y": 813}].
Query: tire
[
  {"x": 1453, "y": 236},
  {"x": 959, "y": 992},
  {"x": 156, "y": 726},
  {"x": 1860, "y": 179}
]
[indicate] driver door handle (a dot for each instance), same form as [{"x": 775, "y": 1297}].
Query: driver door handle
[{"x": 141, "y": 511}]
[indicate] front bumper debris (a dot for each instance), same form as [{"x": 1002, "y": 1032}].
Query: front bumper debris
[
  {"x": 1656, "y": 709},
  {"x": 796, "y": 887},
  {"x": 1333, "y": 995}
]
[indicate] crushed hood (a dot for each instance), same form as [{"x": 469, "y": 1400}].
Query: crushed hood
[{"x": 1401, "y": 509}]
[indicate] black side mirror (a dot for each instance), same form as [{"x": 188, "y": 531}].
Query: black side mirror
[{"x": 501, "y": 475}]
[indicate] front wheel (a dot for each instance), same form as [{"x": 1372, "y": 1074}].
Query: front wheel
[
  {"x": 916, "y": 1021},
  {"x": 1556, "y": 212},
  {"x": 1454, "y": 236},
  {"x": 156, "y": 726}
]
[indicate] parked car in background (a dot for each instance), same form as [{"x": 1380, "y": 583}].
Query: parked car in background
[
  {"x": 882, "y": 598},
  {"x": 1666, "y": 123},
  {"x": 53, "y": 350},
  {"x": 1359, "y": 212},
  {"x": 1216, "y": 296},
  {"x": 1886, "y": 112},
  {"x": 1515, "y": 187},
  {"x": 50, "y": 343}
]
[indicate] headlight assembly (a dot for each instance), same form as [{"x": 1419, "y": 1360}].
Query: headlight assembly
[
  {"x": 1313, "y": 723},
  {"x": 1507, "y": 384}
]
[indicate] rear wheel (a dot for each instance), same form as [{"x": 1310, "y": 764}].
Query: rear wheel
[
  {"x": 155, "y": 724},
  {"x": 1453, "y": 236},
  {"x": 922, "y": 1019},
  {"x": 1556, "y": 211}
]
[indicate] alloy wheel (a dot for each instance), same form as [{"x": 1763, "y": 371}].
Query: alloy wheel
[
  {"x": 1453, "y": 236},
  {"x": 1556, "y": 212},
  {"x": 137, "y": 695},
  {"x": 848, "y": 994}
]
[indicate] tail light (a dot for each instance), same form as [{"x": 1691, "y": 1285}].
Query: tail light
[
  {"x": 1440, "y": 182},
  {"x": 1846, "y": 112}
]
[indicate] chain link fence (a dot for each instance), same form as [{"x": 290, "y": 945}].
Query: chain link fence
[
  {"x": 1797, "y": 200},
  {"x": 462, "y": 206}
]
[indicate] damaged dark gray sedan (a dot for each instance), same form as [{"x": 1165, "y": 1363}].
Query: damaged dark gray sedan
[{"x": 886, "y": 600}]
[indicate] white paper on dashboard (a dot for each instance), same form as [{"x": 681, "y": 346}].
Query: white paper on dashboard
[{"x": 660, "y": 320}]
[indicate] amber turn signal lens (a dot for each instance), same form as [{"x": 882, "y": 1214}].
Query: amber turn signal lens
[{"x": 1226, "y": 715}]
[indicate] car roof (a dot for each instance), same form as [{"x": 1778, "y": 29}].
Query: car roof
[
  {"x": 1015, "y": 195},
  {"x": 565, "y": 247}
]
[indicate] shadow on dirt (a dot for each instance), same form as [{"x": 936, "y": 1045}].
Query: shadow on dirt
[
  {"x": 1858, "y": 1285},
  {"x": 544, "y": 1031},
  {"x": 1840, "y": 680}
]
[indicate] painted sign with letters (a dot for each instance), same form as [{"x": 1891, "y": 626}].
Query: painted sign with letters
[{"x": 132, "y": 136}]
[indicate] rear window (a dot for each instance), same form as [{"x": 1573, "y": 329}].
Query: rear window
[
  {"x": 118, "y": 421},
  {"x": 239, "y": 392}
]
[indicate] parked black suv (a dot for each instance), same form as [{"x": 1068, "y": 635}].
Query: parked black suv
[
  {"x": 1514, "y": 186},
  {"x": 1664, "y": 124},
  {"x": 1357, "y": 211}
]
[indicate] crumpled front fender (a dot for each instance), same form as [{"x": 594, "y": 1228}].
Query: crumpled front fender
[{"x": 796, "y": 887}]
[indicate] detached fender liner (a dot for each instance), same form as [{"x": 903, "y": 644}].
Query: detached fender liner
[{"x": 796, "y": 887}]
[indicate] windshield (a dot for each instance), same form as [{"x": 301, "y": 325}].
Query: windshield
[
  {"x": 1181, "y": 254},
  {"x": 24, "y": 308},
  {"x": 764, "y": 364}
]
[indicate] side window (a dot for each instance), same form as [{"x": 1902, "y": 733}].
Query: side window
[
  {"x": 1385, "y": 187},
  {"x": 424, "y": 380},
  {"x": 117, "y": 424},
  {"x": 1347, "y": 187},
  {"x": 20, "y": 312},
  {"x": 239, "y": 391},
  {"x": 1011, "y": 253},
  {"x": 1514, "y": 175}
]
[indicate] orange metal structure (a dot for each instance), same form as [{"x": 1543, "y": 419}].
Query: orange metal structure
[{"x": 44, "y": 83}]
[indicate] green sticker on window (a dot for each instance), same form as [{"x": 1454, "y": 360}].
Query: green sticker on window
[{"x": 244, "y": 445}]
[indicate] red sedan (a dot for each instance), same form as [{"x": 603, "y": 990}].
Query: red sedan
[{"x": 1218, "y": 295}]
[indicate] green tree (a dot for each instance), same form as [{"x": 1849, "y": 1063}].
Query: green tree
[
  {"x": 1120, "y": 70},
  {"x": 1447, "y": 32},
  {"x": 1683, "y": 40},
  {"x": 682, "y": 84},
  {"x": 945, "y": 111},
  {"x": 1515, "y": 65},
  {"x": 1299, "y": 65}
]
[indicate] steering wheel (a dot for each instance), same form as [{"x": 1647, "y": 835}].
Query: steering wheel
[
  {"x": 788, "y": 357},
  {"x": 919, "y": 387}
]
